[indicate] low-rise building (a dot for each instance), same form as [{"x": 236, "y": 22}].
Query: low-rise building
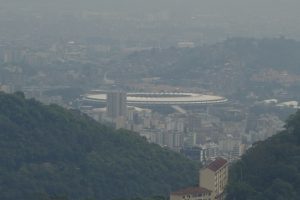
[
  {"x": 194, "y": 153},
  {"x": 192, "y": 193}
]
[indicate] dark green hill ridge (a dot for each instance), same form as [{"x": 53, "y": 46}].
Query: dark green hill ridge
[
  {"x": 48, "y": 151},
  {"x": 271, "y": 169}
]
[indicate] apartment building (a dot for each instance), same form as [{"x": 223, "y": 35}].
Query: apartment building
[
  {"x": 212, "y": 182},
  {"x": 214, "y": 177}
]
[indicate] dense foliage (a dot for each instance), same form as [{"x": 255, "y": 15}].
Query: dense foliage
[
  {"x": 47, "y": 151},
  {"x": 271, "y": 169}
]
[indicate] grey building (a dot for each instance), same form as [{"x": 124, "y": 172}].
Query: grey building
[{"x": 116, "y": 104}]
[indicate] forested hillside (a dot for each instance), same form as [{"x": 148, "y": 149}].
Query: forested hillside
[
  {"x": 271, "y": 169},
  {"x": 47, "y": 151}
]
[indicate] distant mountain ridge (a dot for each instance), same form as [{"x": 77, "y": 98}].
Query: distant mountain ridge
[
  {"x": 48, "y": 151},
  {"x": 244, "y": 54},
  {"x": 236, "y": 66}
]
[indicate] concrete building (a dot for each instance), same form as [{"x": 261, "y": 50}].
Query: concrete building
[
  {"x": 194, "y": 153},
  {"x": 193, "y": 193},
  {"x": 6, "y": 88},
  {"x": 185, "y": 44},
  {"x": 175, "y": 122},
  {"x": 116, "y": 104},
  {"x": 230, "y": 148},
  {"x": 212, "y": 182},
  {"x": 214, "y": 177},
  {"x": 211, "y": 150},
  {"x": 173, "y": 140}
]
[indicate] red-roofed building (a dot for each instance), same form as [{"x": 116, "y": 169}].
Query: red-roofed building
[
  {"x": 192, "y": 193},
  {"x": 214, "y": 177},
  {"x": 217, "y": 164},
  {"x": 212, "y": 182}
]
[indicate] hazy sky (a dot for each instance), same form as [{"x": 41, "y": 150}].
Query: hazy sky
[
  {"x": 232, "y": 16},
  {"x": 132, "y": 5}
]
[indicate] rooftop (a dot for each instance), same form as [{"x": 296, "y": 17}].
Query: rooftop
[
  {"x": 191, "y": 191},
  {"x": 217, "y": 164}
]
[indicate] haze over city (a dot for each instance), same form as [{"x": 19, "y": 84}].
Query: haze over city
[
  {"x": 150, "y": 100},
  {"x": 149, "y": 22}
]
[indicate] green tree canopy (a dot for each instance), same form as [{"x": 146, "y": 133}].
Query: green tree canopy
[{"x": 48, "y": 151}]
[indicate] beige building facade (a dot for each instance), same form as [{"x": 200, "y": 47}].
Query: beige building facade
[
  {"x": 212, "y": 182},
  {"x": 214, "y": 177}
]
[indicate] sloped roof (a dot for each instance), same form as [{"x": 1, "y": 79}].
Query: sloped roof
[
  {"x": 217, "y": 164},
  {"x": 191, "y": 191}
]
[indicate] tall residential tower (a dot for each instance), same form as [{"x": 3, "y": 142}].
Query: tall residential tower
[{"x": 116, "y": 104}]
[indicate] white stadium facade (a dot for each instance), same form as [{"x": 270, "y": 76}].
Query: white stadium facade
[{"x": 157, "y": 99}]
